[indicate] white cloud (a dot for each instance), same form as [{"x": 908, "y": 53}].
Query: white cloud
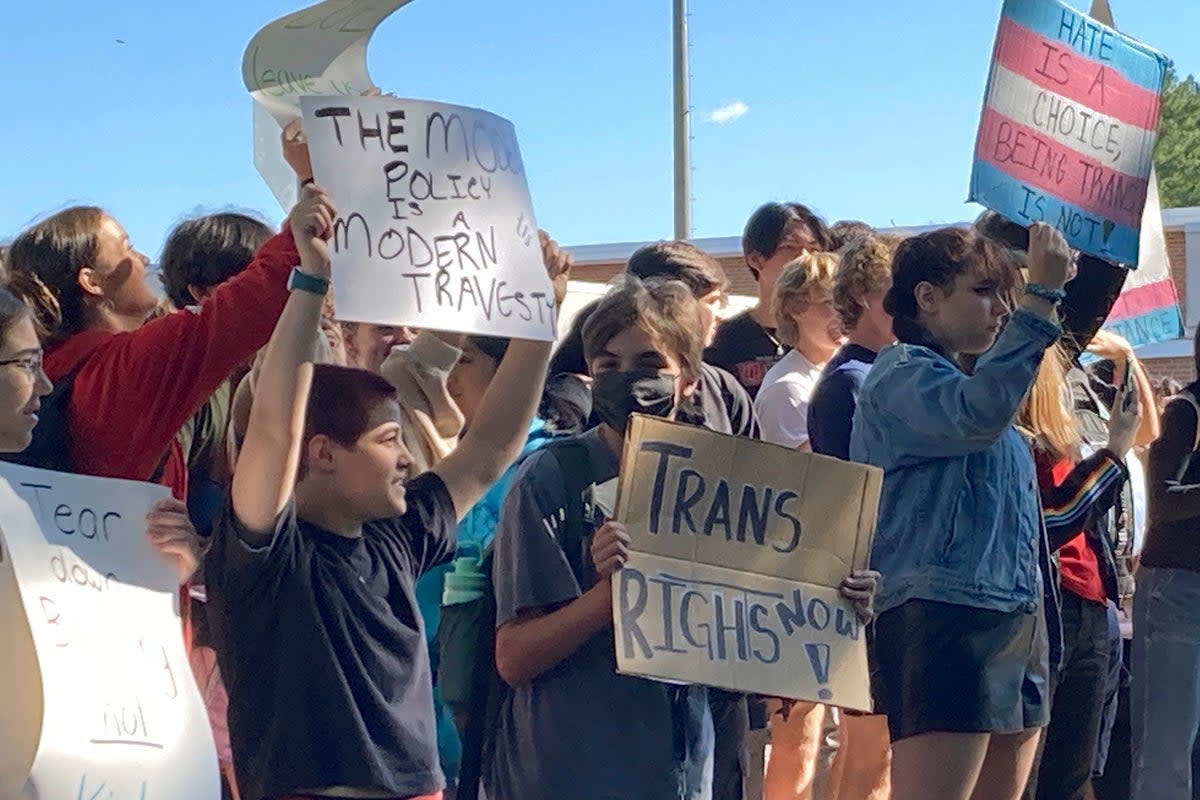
[{"x": 728, "y": 113}]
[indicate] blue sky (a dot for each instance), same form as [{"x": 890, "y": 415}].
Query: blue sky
[{"x": 861, "y": 108}]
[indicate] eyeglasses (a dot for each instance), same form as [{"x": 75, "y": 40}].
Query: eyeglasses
[{"x": 31, "y": 365}]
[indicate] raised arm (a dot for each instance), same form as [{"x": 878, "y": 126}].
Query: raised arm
[
  {"x": 950, "y": 413},
  {"x": 270, "y": 454},
  {"x": 507, "y": 407},
  {"x": 1108, "y": 345},
  {"x": 1151, "y": 426}
]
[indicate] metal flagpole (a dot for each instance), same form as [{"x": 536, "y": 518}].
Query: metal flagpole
[{"x": 682, "y": 116}]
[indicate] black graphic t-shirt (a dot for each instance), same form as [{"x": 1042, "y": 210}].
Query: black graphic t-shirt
[{"x": 746, "y": 349}]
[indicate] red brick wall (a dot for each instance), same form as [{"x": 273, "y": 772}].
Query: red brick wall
[
  {"x": 1177, "y": 255},
  {"x": 1181, "y": 369}
]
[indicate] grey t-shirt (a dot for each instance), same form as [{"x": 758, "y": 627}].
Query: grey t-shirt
[{"x": 581, "y": 730}]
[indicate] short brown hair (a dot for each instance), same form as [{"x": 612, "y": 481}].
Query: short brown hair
[
  {"x": 207, "y": 251},
  {"x": 807, "y": 279},
  {"x": 666, "y": 310},
  {"x": 340, "y": 404},
  {"x": 866, "y": 269},
  {"x": 939, "y": 257},
  {"x": 680, "y": 261}
]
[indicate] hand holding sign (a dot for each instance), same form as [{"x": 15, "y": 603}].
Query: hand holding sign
[
  {"x": 610, "y": 548},
  {"x": 1049, "y": 256},
  {"x": 1125, "y": 420},
  {"x": 295, "y": 150},
  {"x": 172, "y": 534},
  {"x": 312, "y": 223},
  {"x": 558, "y": 266},
  {"x": 859, "y": 588}
]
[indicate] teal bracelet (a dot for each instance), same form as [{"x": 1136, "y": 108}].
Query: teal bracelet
[
  {"x": 1055, "y": 296},
  {"x": 307, "y": 283}
]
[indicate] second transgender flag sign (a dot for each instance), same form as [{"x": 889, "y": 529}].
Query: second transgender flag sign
[{"x": 1068, "y": 127}]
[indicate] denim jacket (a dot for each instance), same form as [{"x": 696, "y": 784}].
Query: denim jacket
[{"x": 959, "y": 514}]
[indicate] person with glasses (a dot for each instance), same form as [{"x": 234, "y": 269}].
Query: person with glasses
[{"x": 23, "y": 383}]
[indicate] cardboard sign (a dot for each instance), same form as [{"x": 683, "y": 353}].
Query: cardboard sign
[
  {"x": 1068, "y": 128},
  {"x": 738, "y": 549},
  {"x": 435, "y": 228},
  {"x": 100, "y": 700},
  {"x": 318, "y": 50}
]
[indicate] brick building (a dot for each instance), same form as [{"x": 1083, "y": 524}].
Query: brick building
[
  {"x": 1175, "y": 358},
  {"x": 598, "y": 264}
]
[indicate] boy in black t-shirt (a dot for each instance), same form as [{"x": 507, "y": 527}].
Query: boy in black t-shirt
[
  {"x": 313, "y": 561},
  {"x": 776, "y": 234}
]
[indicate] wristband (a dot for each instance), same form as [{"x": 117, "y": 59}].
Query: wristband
[
  {"x": 1054, "y": 296},
  {"x": 307, "y": 181},
  {"x": 305, "y": 282}
]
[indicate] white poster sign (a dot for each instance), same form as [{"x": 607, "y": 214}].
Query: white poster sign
[
  {"x": 319, "y": 50},
  {"x": 435, "y": 227},
  {"x": 99, "y": 699}
]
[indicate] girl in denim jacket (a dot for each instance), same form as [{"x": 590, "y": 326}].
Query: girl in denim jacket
[{"x": 960, "y": 646}]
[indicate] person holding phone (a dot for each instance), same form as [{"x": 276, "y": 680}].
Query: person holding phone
[{"x": 1079, "y": 485}]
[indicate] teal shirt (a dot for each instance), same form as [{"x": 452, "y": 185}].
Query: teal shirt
[{"x": 475, "y": 534}]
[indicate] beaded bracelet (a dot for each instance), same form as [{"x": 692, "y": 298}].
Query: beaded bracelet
[{"x": 1055, "y": 296}]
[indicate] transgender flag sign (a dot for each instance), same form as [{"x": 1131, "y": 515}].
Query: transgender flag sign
[{"x": 1068, "y": 128}]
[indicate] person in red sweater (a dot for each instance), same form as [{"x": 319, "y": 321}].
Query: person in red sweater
[{"x": 136, "y": 382}]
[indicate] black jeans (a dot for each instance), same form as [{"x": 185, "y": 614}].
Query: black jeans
[
  {"x": 1064, "y": 766},
  {"x": 731, "y": 722}
]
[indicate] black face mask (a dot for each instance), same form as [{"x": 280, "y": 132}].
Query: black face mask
[{"x": 617, "y": 394}]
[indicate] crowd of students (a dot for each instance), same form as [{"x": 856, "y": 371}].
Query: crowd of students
[{"x": 397, "y": 545}]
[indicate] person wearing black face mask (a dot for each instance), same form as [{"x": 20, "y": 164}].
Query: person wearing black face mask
[
  {"x": 618, "y": 393},
  {"x": 719, "y": 402},
  {"x": 554, "y": 642}
]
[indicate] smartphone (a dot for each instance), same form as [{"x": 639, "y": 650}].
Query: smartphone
[{"x": 1127, "y": 385}]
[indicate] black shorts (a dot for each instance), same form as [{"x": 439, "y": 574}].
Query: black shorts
[{"x": 958, "y": 669}]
